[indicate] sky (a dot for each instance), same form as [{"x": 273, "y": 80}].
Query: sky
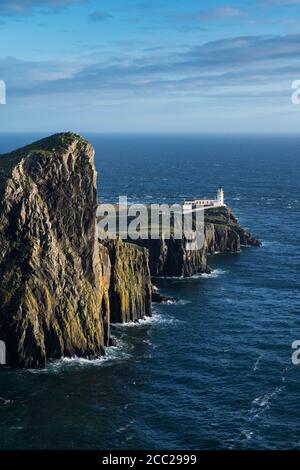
[{"x": 139, "y": 66}]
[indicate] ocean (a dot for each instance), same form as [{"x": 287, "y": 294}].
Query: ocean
[{"x": 214, "y": 370}]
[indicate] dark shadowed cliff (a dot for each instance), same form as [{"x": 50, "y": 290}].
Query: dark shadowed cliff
[{"x": 130, "y": 288}]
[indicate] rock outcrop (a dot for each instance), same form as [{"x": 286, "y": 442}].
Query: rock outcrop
[
  {"x": 158, "y": 298},
  {"x": 130, "y": 286},
  {"x": 170, "y": 258},
  {"x": 224, "y": 234},
  {"x": 57, "y": 283}
]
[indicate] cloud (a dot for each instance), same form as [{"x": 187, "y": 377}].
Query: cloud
[
  {"x": 97, "y": 16},
  {"x": 250, "y": 66},
  {"x": 28, "y": 7},
  {"x": 218, "y": 13},
  {"x": 217, "y": 84},
  {"x": 225, "y": 11}
]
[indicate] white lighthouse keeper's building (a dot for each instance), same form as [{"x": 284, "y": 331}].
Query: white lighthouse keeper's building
[{"x": 206, "y": 203}]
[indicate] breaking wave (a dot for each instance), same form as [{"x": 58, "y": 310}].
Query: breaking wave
[{"x": 156, "y": 319}]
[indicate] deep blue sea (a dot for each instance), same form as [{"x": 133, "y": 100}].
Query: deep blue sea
[{"x": 212, "y": 371}]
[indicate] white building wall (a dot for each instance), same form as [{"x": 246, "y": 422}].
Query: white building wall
[{"x": 198, "y": 203}]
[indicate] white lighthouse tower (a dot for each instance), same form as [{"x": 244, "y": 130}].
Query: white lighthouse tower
[{"x": 220, "y": 196}]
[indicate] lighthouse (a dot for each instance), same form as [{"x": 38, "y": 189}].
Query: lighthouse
[
  {"x": 190, "y": 206},
  {"x": 220, "y": 196}
]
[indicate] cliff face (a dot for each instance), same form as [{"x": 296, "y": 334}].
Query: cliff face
[
  {"x": 104, "y": 285},
  {"x": 222, "y": 234},
  {"x": 130, "y": 287},
  {"x": 57, "y": 284},
  {"x": 50, "y": 296},
  {"x": 170, "y": 258}
]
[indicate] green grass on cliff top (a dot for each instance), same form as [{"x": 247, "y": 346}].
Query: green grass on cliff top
[
  {"x": 46, "y": 146},
  {"x": 54, "y": 144}
]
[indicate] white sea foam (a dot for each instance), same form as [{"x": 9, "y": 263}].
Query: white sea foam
[
  {"x": 156, "y": 318},
  {"x": 182, "y": 302},
  {"x": 263, "y": 402},
  {"x": 213, "y": 274},
  {"x": 177, "y": 302},
  {"x": 112, "y": 353},
  {"x": 268, "y": 243},
  {"x": 56, "y": 366},
  {"x": 247, "y": 434},
  {"x": 81, "y": 360},
  {"x": 256, "y": 365},
  {"x": 177, "y": 278},
  {"x": 169, "y": 302}
]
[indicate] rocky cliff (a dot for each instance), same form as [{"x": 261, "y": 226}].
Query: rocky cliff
[
  {"x": 169, "y": 258},
  {"x": 222, "y": 234},
  {"x": 60, "y": 287},
  {"x": 130, "y": 288},
  {"x": 56, "y": 282},
  {"x": 50, "y": 297}
]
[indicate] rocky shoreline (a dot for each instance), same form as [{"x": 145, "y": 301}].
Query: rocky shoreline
[
  {"x": 60, "y": 286},
  {"x": 222, "y": 234}
]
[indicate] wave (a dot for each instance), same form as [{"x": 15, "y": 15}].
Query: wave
[
  {"x": 213, "y": 274},
  {"x": 112, "y": 353},
  {"x": 268, "y": 243},
  {"x": 175, "y": 278},
  {"x": 156, "y": 319},
  {"x": 256, "y": 365},
  {"x": 247, "y": 434},
  {"x": 263, "y": 402},
  {"x": 79, "y": 360},
  {"x": 176, "y": 302},
  {"x": 182, "y": 302},
  {"x": 169, "y": 302},
  {"x": 118, "y": 352}
]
